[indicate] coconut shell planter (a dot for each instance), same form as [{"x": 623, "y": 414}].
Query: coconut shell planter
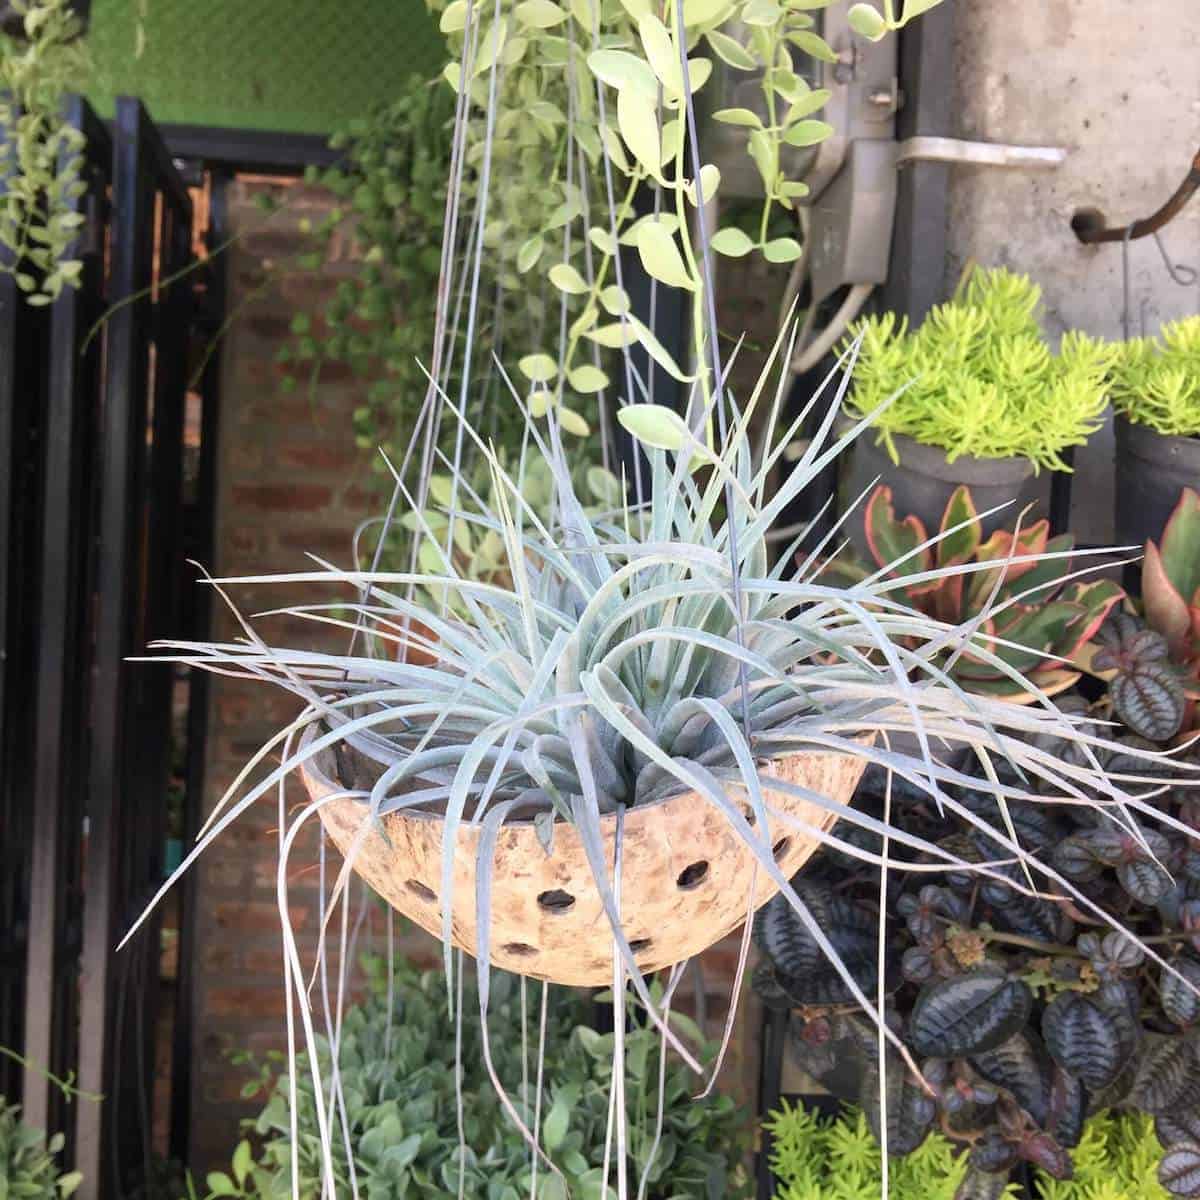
[{"x": 686, "y": 875}]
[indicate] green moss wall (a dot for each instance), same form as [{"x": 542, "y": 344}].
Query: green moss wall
[{"x": 296, "y": 66}]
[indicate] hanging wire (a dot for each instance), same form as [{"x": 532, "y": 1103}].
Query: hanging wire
[{"x": 1180, "y": 274}]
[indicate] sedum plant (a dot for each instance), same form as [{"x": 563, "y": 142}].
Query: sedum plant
[
  {"x": 979, "y": 378},
  {"x": 1152, "y": 660},
  {"x": 652, "y": 651},
  {"x": 821, "y": 1158},
  {"x": 815, "y": 1158},
  {"x": 1041, "y": 616},
  {"x": 1156, "y": 381}
]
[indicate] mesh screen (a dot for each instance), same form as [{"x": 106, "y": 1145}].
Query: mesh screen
[{"x": 297, "y": 66}]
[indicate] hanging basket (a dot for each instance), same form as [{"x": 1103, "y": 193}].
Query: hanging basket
[{"x": 685, "y": 879}]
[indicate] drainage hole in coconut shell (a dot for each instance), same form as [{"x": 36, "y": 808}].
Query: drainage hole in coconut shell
[
  {"x": 419, "y": 889},
  {"x": 639, "y": 944},
  {"x": 692, "y": 876},
  {"x": 781, "y": 847},
  {"x": 519, "y": 949},
  {"x": 555, "y": 900}
]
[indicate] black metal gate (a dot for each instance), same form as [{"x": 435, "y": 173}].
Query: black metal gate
[{"x": 94, "y": 398}]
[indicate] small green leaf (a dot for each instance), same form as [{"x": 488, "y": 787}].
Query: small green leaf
[
  {"x": 782, "y": 250},
  {"x": 637, "y": 119},
  {"x": 661, "y": 54},
  {"x": 814, "y": 46},
  {"x": 656, "y": 426},
  {"x": 567, "y": 279},
  {"x": 554, "y": 1128},
  {"x": 539, "y": 14},
  {"x": 867, "y": 22},
  {"x": 731, "y": 51},
  {"x": 538, "y": 368},
  {"x": 242, "y": 1162},
  {"x": 611, "y": 337},
  {"x": 219, "y": 1184},
  {"x": 615, "y": 300},
  {"x": 732, "y": 242},
  {"x": 704, "y": 12},
  {"x": 710, "y": 180},
  {"x": 807, "y": 133},
  {"x": 762, "y": 13},
  {"x": 454, "y": 18},
  {"x": 661, "y": 257},
  {"x": 530, "y": 251},
  {"x": 602, "y": 239},
  {"x": 572, "y": 422},
  {"x": 586, "y": 378},
  {"x": 807, "y": 104},
  {"x": 625, "y": 72},
  {"x": 738, "y": 116}
]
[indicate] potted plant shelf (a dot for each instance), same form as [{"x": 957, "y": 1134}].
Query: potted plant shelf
[
  {"x": 973, "y": 396},
  {"x": 1156, "y": 395}
]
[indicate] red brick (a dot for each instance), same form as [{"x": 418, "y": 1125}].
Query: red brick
[
  {"x": 282, "y": 497},
  {"x": 329, "y": 543},
  {"x": 318, "y": 456},
  {"x": 256, "y": 916}
]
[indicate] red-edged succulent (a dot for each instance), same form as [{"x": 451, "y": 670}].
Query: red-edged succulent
[
  {"x": 1156, "y": 657},
  {"x": 1036, "y": 619}
]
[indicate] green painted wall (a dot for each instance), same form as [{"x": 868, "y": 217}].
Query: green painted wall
[{"x": 296, "y": 66}]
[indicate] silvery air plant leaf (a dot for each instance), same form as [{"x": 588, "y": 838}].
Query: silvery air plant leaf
[{"x": 654, "y": 649}]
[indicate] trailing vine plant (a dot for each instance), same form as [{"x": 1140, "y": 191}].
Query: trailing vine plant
[
  {"x": 604, "y": 88},
  {"x": 41, "y": 155}
]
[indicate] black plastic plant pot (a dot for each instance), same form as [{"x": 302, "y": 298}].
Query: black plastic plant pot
[
  {"x": 1152, "y": 469},
  {"x": 924, "y": 480}
]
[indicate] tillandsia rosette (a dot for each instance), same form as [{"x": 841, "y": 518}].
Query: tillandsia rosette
[
  {"x": 653, "y": 651},
  {"x": 1034, "y": 611},
  {"x": 1156, "y": 381},
  {"x": 978, "y": 377}
]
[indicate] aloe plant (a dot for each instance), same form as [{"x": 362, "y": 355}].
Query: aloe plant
[
  {"x": 648, "y": 651},
  {"x": 1033, "y": 615},
  {"x": 1154, "y": 659}
]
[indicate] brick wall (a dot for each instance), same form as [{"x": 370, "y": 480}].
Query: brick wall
[{"x": 291, "y": 480}]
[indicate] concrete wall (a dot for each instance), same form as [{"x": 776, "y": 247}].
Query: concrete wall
[{"x": 1117, "y": 82}]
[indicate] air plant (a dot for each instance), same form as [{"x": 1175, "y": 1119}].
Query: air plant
[
  {"x": 653, "y": 650},
  {"x": 1039, "y": 616}
]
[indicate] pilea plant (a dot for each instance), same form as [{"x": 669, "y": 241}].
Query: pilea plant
[
  {"x": 1156, "y": 381},
  {"x": 591, "y": 103},
  {"x": 816, "y": 1158},
  {"x": 978, "y": 377},
  {"x": 1152, "y": 659},
  {"x": 1041, "y": 617},
  {"x": 397, "y": 1072},
  {"x": 1025, "y": 1012},
  {"x": 40, "y": 153}
]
